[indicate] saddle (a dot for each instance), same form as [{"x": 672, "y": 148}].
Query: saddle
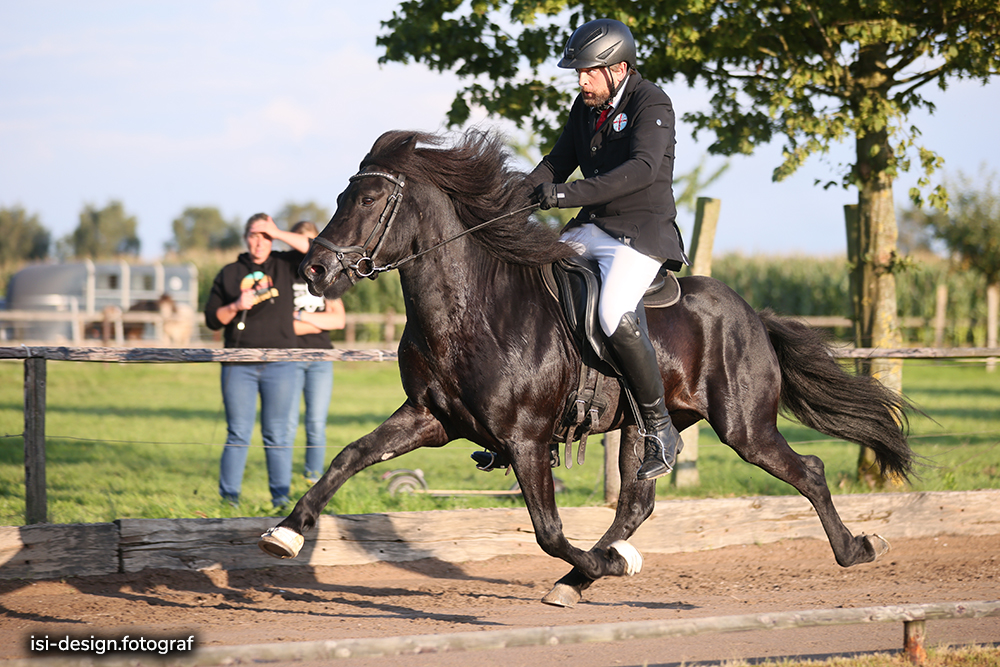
[{"x": 575, "y": 283}]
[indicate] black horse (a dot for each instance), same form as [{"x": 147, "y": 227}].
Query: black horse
[{"x": 486, "y": 354}]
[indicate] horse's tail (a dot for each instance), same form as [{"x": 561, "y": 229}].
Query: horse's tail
[{"x": 820, "y": 394}]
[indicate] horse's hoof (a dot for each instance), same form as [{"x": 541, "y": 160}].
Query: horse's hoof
[
  {"x": 562, "y": 595},
  {"x": 631, "y": 555},
  {"x": 281, "y": 542},
  {"x": 879, "y": 544}
]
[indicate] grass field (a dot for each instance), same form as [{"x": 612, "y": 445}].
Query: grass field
[{"x": 144, "y": 440}]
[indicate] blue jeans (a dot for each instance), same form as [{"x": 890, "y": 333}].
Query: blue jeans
[
  {"x": 315, "y": 380},
  {"x": 241, "y": 384}
]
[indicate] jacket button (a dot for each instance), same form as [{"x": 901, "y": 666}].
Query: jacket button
[{"x": 597, "y": 171}]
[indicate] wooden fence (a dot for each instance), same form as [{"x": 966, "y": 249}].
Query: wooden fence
[
  {"x": 35, "y": 358},
  {"x": 112, "y": 323}
]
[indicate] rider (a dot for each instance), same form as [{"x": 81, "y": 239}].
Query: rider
[{"x": 620, "y": 133}]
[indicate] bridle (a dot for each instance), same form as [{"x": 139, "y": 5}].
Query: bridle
[{"x": 365, "y": 267}]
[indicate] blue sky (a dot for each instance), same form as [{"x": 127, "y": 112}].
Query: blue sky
[{"x": 247, "y": 105}]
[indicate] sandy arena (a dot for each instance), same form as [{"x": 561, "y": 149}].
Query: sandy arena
[{"x": 430, "y": 597}]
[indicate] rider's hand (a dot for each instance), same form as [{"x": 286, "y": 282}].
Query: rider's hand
[{"x": 545, "y": 196}]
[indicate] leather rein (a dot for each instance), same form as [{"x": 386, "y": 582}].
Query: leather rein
[{"x": 365, "y": 266}]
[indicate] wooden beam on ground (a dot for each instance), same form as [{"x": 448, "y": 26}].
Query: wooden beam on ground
[
  {"x": 50, "y": 551},
  {"x": 466, "y": 535},
  {"x": 456, "y": 536}
]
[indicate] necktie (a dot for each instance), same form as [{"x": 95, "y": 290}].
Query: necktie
[{"x": 603, "y": 117}]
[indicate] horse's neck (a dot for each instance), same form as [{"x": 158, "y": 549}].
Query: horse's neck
[{"x": 463, "y": 279}]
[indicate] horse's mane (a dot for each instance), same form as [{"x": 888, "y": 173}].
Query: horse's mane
[{"x": 475, "y": 174}]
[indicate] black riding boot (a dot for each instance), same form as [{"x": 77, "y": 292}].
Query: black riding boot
[{"x": 636, "y": 359}]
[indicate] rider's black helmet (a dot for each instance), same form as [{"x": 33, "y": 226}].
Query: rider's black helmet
[{"x": 599, "y": 43}]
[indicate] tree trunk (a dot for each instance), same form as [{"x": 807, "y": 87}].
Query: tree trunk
[{"x": 872, "y": 236}]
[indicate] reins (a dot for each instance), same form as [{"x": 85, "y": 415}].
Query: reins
[{"x": 365, "y": 267}]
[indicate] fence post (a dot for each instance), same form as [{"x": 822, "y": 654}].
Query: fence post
[
  {"x": 702, "y": 240},
  {"x": 914, "y": 634},
  {"x": 35, "y": 501},
  {"x": 940, "y": 313}
]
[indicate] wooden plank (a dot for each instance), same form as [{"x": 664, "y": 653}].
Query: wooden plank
[
  {"x": 205, "y": 354},
  {"x": 131, "y": 545},
  {"x": 193, "y": 544},
  {"x": 192, "y": 355},
  {"x": 48, "y": 551},
  {"x": 467, "y": 535},
  {"x": 678, "y": 526}
]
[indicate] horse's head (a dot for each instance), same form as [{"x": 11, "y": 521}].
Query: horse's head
[
  {"x": 449, "y": 191},
  {"x": 353, "y": 244}
]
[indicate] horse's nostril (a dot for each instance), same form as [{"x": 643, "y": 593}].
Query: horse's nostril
[{"x": 315, "y": 271}]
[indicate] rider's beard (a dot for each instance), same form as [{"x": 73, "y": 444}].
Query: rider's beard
[{"x": 596, "y": 100}]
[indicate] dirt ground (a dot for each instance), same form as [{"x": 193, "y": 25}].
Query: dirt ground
[{"x": 427, "y": 597}]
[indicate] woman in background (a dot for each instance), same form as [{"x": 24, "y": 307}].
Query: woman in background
[{"x": 314, "y": 318}]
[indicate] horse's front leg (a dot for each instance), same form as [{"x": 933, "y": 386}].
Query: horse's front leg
[
  {"x": 409, "y": 428},
  {"x": 635, "y": 503},
  {"x": 535, "y": 478}
]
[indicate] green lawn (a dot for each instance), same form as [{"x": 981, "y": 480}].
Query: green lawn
[{"x": 143, "y": 440}]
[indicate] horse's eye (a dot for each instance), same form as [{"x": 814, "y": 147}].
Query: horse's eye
[{"x": 367, "y": 201}]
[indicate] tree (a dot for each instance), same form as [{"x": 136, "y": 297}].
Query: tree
[
  {"x": 103, "y": 233},
  {"x": 293, "y": 213},
  {"x": 971, "y": 230},
  {"x": 811, "y": 74},
  {"x": 204, "y": 228},
  {"x": 22, "y": 236}
]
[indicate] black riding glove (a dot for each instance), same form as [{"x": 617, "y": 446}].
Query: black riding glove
[{"x": 545, "y": 196}]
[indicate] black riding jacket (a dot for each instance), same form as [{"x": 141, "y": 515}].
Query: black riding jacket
[{"x": 627, "y": 167}]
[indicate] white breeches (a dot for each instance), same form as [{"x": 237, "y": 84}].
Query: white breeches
[{"x": 625, "y": 272}]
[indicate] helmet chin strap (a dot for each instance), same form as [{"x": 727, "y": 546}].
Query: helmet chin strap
[{"x": 613, "y": 87}]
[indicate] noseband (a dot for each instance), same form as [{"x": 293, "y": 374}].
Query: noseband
[{"x": 365, "y": 266}]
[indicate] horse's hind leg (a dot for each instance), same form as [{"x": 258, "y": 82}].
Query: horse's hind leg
[
  {"x": 771, "y": 452},
  {"x": 635, "y": 504}
]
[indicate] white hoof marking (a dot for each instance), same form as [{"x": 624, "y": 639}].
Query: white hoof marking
[
  {"x": 281, "y": 542},
  {"x": 633, "y": 559}
]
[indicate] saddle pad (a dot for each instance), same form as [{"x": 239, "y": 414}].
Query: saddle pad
[
  {"x": 663, "y": 292},
  {"x": 575, "y": 283}
]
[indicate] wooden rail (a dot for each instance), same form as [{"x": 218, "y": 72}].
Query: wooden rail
[
  {"x": 36, "y": 502},
  {"x": 913, "y": 617}
]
